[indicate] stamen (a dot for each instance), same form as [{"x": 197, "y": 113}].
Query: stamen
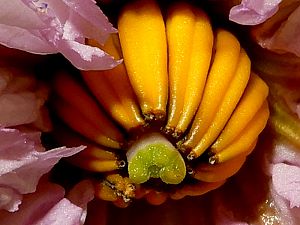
[{"x": 120, "y": 186}]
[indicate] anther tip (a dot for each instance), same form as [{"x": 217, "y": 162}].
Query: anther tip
[
  {"x": 213, "y": 160},
  {"x": 177, "y": 133},
  {"x": 190, "y": 171},
  {"x": 168, "y": 130},
  {"x": 121, "y": 164},
  {"x": 191, "y": 156}
]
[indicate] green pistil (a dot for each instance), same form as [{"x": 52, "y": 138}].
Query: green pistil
[
  {"x": 284, "y": 123},
  {"x": 153, "y": 156}
]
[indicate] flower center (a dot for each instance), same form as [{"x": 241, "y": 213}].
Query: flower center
[
  {"x": 181, "y": 84},
  {"x": 153, "y": 156}
]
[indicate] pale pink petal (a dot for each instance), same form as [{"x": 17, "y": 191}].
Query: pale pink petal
[
  {"x": 57, "y": 26},
  {"x": 71, "y": 211},
  {"x": 34, "y": 206},
  {"x": 285, "y": 215},
  {"x": 23, "y": 160},
  {"x": 284, "y": 169},
  {"x": 17, "y": 80},
  {"x": 285, "y": 153},
  {"x": 19, "y": 101},
  {"x": 52, "y": 26},
  {"x": 15, "y": 109},
  {"x": 10, "y": 15},
  {"x": 19, "y": 38},
  {"x": 252, "y": 12},
  {"x": 82, "y": 193},
  {"x": 9, "y": 199},
  {"x": 47, "y": 206},
  {"x": 286, "y": 181},
  {"x": 87, "y": 20},
  {"x": 287, "y": 36},
  {"x": 94, "y": 57},
  {"x": 64, "y": 212},
  {"x": 22, "y": 32}
]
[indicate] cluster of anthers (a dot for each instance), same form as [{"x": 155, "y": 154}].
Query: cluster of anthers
[{"x": 176, "y": 118}]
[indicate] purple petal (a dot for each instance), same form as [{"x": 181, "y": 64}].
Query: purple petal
[
  {"x": 34, "y": 205},
  {"x": 287, "y": 36},
  {"x": 9, "y": 199},
  {"x": 57, "y": 26},
  {"x": 18, "y": 109},
  {"x": 47, "y": 206},
  {"x": 22, "y": 99},
  {"x": 82, "y": 193},
  {"x": 286, "y": 181},
  {"x": 252, "y": 12},
  {"x": 64, "y": 212},
  {"x": 19, "y": 38},
  {"x": 284, "y": 169},
  {"x": 88, "y": 20},
  {"x": 19, "y": 104},
  {"x": 285, "y": 153},
  {"x": 22, "y": 32},
  {"x": 23, "y": 160},
  {"x": 285, "y": 214},
  {"x": 93, "y": 57}
]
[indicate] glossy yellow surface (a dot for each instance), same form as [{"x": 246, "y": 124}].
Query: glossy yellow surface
[
  {"x": 144, "y": 45},
  {"x": 190, "y": 41}
]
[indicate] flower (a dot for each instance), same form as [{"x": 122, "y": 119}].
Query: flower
[
  {"x": 265, "y": 191},
  {"x": 51, "y": 26}
]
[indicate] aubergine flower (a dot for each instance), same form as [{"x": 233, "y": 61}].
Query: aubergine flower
[{"x": 265, "y": 190}]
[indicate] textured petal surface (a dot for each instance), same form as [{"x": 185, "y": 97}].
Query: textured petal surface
[
  {"x": 286, "y": 181},
  {"x": 63, "y": 212},
  {"x": 9, "y": 199},
  {"x": 287, "y": 37},
  {"x": 57, "y": 26},
  {"x": 252, "y": 12},
  {"x": 284, "y": 170},
  {"x": 284, "y": 153},
  {"x": 23, "y": 160},
  {"x": 19, "y": 103},
  {"x": 34, "y": 205},
  {"x": 47, "y": 206},
  {"x": 18, "y": 109},
  {"x": 77, "y": 52},
  {"x": 288, "y": 215}
]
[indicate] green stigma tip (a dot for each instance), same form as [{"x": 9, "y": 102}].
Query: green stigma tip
[{"x": 153, "y": 156}]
